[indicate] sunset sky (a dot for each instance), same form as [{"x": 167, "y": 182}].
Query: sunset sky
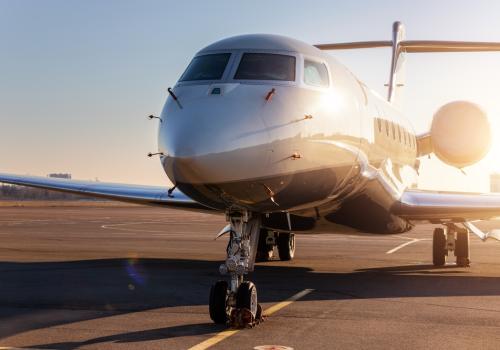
[{"x": 78, "y": 78}]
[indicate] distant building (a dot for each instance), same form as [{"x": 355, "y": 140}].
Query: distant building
[
  {"x": 60, "y": 176},
  {"x": 495, "y": 182}
]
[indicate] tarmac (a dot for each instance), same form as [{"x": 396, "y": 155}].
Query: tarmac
[{"x": 131, "y": 277}]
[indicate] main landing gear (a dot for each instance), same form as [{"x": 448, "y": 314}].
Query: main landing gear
[
  {"x": 448, "y": 239},
  {"x": 284, "y": 241},
  {"x": 235, "y": 303}
]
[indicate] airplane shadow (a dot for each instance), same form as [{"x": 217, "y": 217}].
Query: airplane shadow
[
  {"x": 141, "y": 336},
  {"x": 42, "y": 294}
]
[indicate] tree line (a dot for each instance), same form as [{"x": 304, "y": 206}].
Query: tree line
[{"x": 13, "y": 192}]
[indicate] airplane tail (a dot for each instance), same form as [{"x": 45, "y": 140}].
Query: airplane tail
[
  {"x": 396, "y": 77},
  {"x": 400, "y": 46}
]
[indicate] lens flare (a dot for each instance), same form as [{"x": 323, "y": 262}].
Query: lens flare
[{"x": 135, "y": 271}]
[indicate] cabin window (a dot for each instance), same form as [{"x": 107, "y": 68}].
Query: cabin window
[
  {"x": 265, "y": 66},
  {"x": 379, "y": 122},
  {"x": 315, "y": 74},
  {"x": 206, "y": 67},
  {"x": 393, "y": 131},
  {"x": 399, "y": 133},
  {"x": 387, "y": 127}
]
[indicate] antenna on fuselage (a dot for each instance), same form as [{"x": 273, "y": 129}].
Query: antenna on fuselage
[
  {"x": 151, "y": 117},
  {"x": 174, "y": 96},
  {"x": 150, "y": 154}
]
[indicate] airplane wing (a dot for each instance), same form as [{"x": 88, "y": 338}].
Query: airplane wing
[
  {"x": 148, "y": 195},
  {"x": 440, "y": 207}
]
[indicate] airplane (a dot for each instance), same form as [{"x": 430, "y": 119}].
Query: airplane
[{"x": 282, "y": 138}]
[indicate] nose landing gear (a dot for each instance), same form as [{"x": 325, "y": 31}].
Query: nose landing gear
[
  {"x": 218, "y": 302},
  {"x": 236, "y": 304},
  {"x": 450, "y": 239}
]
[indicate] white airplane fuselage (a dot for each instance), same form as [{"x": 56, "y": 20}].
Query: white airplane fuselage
[
  {"x": 337, "y": 153},
  {"x": 283, "y": 139}
]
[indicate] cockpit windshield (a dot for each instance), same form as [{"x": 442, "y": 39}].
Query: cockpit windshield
[
  {"x": 265, "y": 66},
  {"x": 315, "y": 74},
  {"x": 206, "y": 67}
]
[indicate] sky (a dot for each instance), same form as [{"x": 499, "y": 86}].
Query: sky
[{"x": 78, "y": 78}]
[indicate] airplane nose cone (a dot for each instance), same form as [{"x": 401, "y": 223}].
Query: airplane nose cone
[
  {"x": 239, "y": 150},
  {"x": 212, "y": 156},
  {"x": 211, "y": 147},
  {"x": 216, "y": 167}
]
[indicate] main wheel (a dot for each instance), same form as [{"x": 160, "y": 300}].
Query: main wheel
[
  {"x": 246, "y": 297},
  {"x": 218, "y": 302},
  {"x": 286, "y": 246},
  {"x": 462, "y": 248},
  {"x": 265, "y": 251},
  {"x": 439, "y": 251}
]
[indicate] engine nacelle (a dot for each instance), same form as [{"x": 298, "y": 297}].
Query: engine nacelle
[{"x": 460, "y": 134}]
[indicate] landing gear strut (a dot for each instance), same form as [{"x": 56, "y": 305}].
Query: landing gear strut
[
  {"x": 236, "y": 303},
  {"x": 450, "y": 239}
]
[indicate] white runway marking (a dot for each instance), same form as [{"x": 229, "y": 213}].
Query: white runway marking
[
  {"x": 393, "y": 250},
  {"x": 122, "y": 226}
]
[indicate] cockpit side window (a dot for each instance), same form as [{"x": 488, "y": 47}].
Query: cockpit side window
[
  {"x": 266, "y": 66},
  {"x": 206, "y": 67},
  {"x": 315, "y": 74}
]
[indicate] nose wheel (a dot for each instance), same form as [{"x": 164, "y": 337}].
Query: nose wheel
[
  {"x": 218, "y": 303},
  {"x": 236, "y": 303}
]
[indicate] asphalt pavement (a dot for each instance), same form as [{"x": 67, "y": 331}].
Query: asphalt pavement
[{"x": 131, "y": 277}]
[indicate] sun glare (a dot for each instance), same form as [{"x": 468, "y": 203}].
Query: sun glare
[{"x": 493, "y": 158}]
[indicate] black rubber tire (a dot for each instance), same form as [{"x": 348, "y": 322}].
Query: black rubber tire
[
  {"x": 246, "y": 297},
  {"x": 265, "y": 251},
  {"x": 462, "y": 248},
  {"x": 286, "y": 246},
  {"x": 439, "y": 251},
  {"x": 218, "y": 302}
]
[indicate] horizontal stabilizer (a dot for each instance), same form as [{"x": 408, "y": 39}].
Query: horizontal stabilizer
[
  {"x": 425, "y": 46},
  {"x": 400, "y": 46},
  {"x": 355, "y": 45},
  {"x": 418, "y": 46}
]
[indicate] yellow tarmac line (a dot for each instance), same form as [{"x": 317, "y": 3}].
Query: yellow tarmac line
[
  {"x": 268, "y": 312},
  {"x": 283, "y": 304}
]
